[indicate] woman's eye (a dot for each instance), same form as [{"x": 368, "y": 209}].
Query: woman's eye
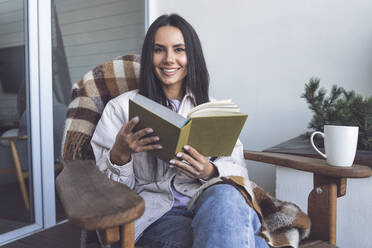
[
  {"x": 180, "y": 49},
  {"x": 158, "y": 50}
]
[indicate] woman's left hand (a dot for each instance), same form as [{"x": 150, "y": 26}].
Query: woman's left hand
[{"x": 193, "y": 164}]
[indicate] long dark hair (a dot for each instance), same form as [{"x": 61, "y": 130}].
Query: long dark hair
[{"x": 197, "y": 78}]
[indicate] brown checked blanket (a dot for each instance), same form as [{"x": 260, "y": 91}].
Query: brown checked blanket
[
  {"x": 283, "y": 223},
  {"x": 89, "y": 97}
]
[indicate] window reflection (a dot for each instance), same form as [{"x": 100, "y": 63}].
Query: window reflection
[{"x": 15, "y": 169}]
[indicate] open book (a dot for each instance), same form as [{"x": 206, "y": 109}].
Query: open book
[{"x": 211, "y": 128}]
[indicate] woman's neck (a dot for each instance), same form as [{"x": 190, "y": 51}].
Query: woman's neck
[{"x": 173, "y": 92}]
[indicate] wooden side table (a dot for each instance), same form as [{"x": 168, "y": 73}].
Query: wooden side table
[{"x": 329, "y": 184}]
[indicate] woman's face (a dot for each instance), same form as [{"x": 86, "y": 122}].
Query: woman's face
[{"x": 169, "y": 57}]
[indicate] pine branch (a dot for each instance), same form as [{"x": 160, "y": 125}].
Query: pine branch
[{"x": 341, "y": 107}]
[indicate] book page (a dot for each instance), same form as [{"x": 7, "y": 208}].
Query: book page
[
  {"x": 223, "y": 107},
  {"x": 211, "y": 112}
]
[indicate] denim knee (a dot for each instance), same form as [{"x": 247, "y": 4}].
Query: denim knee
[
  {"x": 222, "y": 202},
  {"x": 222, "y": 195},
  {"x": 224, "y": 219}
]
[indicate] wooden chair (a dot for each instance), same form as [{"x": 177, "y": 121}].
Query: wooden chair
[{"x": 83, "y": 188}]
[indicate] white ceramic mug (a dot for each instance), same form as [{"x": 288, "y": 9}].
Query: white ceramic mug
[{"x": 340, "y": 144}]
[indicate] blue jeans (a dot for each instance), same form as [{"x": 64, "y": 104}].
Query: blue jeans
[{"x": 220, "y": 218}]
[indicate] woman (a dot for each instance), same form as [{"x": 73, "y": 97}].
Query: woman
[{"x": 174, "y": 73}]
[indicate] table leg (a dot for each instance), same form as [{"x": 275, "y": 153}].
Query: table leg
[{"x": 20, "y": 177}]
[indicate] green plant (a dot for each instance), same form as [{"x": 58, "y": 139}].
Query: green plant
[{"x": 341, "y": 107}]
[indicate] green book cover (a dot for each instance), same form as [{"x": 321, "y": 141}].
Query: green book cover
[{"x": 214, "y": 135}]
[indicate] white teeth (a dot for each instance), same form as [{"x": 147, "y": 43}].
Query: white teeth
[{"x": 169, "y": 70}]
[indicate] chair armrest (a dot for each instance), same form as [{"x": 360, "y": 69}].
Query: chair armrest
[
  {"x": 317, "y": 166},
  {"x": 92, "y": 201}
]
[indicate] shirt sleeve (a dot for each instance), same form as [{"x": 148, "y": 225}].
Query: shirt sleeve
[
  {"x": 102, "y": 141},
  {"x": 233, "y": 165}
]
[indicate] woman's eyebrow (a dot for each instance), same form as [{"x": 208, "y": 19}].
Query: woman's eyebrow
[
  {"x": 177, "y": 45},
  {"x": 156, "y": 44}
]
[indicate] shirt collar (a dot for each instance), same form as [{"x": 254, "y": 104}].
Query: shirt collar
[{"x": 188, "y": 95}]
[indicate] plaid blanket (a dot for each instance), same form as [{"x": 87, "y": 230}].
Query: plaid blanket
[
  {"x": 282, "y": 223},
  {"x": 89, "y": 97}
]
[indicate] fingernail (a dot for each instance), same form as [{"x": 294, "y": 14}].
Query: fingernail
[
  {"x": 172, "y": 162},
  {"x": 156, "y": 138},
  {"x": 149, "y": 130},
  {"x": 159, "y": 146},
  {"x": 179, "y": 154},
  {"x": 136, "y": 119},
  {"x": 186, "y": 147}
]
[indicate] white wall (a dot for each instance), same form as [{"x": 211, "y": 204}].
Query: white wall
[{"x": 261, "y": 53}]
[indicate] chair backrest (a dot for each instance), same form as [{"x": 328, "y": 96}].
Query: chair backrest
[{"x": 89, "y": 97}]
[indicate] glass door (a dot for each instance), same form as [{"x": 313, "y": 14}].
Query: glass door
[
  {"x": 45, "y": 47},
  {"x": 27, "y": 202},
  {"x": 16, "y": 181}
]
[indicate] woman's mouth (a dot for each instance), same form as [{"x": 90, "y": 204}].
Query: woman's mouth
[{"x": 169, "y": 71}]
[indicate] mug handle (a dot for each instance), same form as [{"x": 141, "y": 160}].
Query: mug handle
[{"x": 312, "y": 142}]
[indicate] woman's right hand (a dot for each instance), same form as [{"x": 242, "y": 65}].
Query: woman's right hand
[{"x": 127, "y": 142}]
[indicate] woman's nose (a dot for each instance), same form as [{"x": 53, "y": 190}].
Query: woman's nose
[{"x": 170, "y": 57}]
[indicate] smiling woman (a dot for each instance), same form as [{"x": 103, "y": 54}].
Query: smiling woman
[{"x": 174, "y": 73}]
